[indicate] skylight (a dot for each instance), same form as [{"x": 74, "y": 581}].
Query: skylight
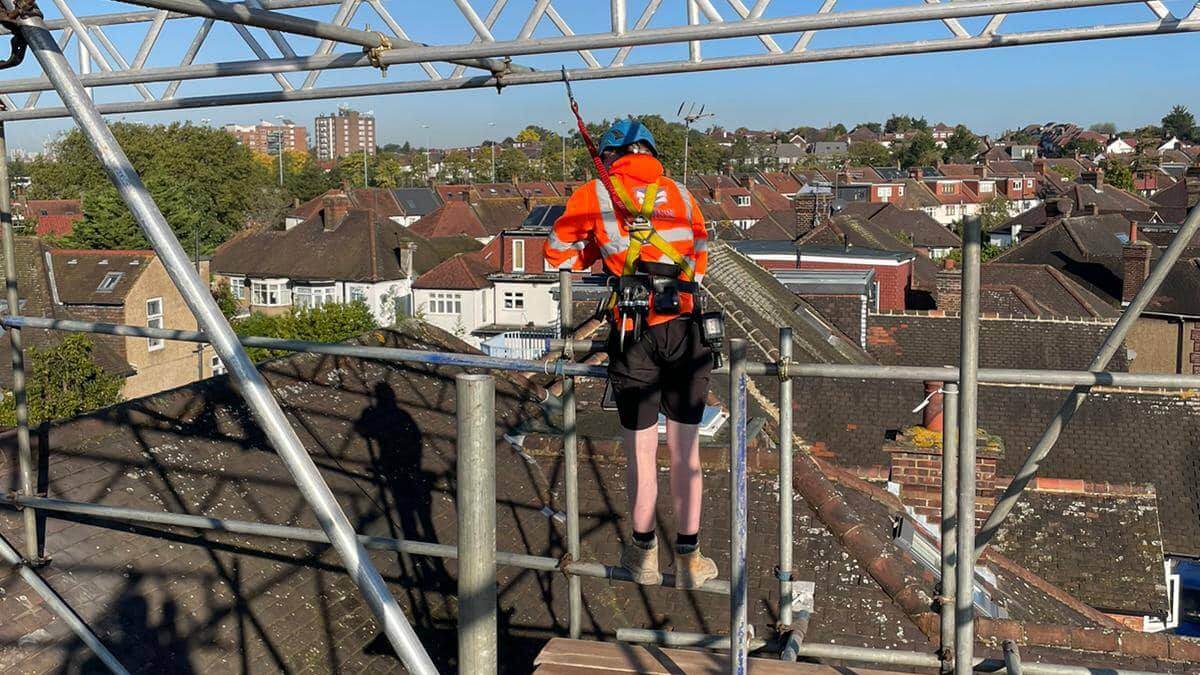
[{"x": 109, "y": 282}]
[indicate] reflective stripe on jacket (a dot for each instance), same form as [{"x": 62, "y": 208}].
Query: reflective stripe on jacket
[{"x": 590, "y": 230}]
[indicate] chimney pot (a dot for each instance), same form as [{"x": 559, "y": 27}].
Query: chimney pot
[{"x": 932, "y": 418}]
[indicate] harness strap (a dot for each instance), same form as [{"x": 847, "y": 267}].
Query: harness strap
[{"x": 642, "y": 232}]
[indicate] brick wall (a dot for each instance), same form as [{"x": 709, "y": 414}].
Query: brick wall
[
  {"x": 931, "y": 339},
  {"x": 894, "y": 281},
  {"x": 1135, "y": 261},
  {"x": 918, "y": 471}
]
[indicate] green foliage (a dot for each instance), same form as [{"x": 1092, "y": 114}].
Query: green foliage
[
  {"x": 531, "y": 134},
  {"x": 1106, "y": 128},
  {"x": 1118, "y": 174},
  {"x": 512, "y": 164},
  {"x": 331, "y": 322},
  {"x": 993, "y": 213},
  {"x": 873, "y": 126},
  {"x": 921, "y": 150},
  {"x": 456, "y": 168},
  {"x": 962, "y": 146},
  {"x": 63, "y": 382},
  {"x": 1084, "y": 146},
  {"x": 225, "y": 300},
  {"x": 870, "y": 153},
  {"x": 987, "y": 251},
  {"x": 199, "y": 176},
  {"x": 1065, "y": 171},
  {"x": 898, "y": 124},
  {"x": 1179, "y": 122}
]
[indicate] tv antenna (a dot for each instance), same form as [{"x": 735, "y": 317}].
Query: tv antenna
[{"x": 692, "y": 115}]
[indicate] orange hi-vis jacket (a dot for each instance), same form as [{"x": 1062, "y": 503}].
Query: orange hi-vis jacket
[{"x": 589, "y": 229}]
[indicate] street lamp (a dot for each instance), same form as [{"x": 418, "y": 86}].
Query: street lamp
[
  {"x": 493, "y": 144},
  {"x": 366, "y": 181},
  {"x": 279, "y": 147},
  {"x": 428, "y": 175}
]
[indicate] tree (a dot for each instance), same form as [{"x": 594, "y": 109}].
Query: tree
[
  {"x": 530, "y": 134},
  {"x": 993, "y": 213},
  {"x": 200, "y": 177},
  {"x": 1106, "y": 128},
  {"x": 962, "y": 145},
  {"x": 1118, "y": 174},
  {"x": 899, "y": 124},
  {"x": 64, "y": 381},
  {"x": 331, "y": 322},
  {"x": 1068, "y": 174},
  {"x": 270, "y": 209},
  {"x": 1179, "y": 122},
  {"x": 511, "y": 165},
  {"x": 1086, "y": 147},
  {"x": 922, "y": 150},
  {"x": 870, "y": 153},
  {"x": 456, "y": 167},
  {"x": 873, "y": 126}
]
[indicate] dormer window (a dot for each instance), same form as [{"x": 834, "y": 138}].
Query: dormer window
[{"x": 742, "y": 200}]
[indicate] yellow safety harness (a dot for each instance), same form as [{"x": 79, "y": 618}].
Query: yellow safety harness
[{"x": 642, "y": 232}]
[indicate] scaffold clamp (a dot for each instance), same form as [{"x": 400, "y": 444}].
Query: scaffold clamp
[
  {"x": 375, "y": 54},
  {"x": 784, "y": 369}
]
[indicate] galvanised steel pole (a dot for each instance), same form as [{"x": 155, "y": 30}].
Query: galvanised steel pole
[
  {"x": 566, "y": 322},
  {"x": 20, "y": 402},
  {"x": 739, "y": 627},
  {"x": 1075, "y": 400},
  {"x": 476, "y": 523},
  {"x": 1012, "y": 658},
  {"x": 785, "y": 482},
  {"x": 948, "y": 521},
  {"x": 246, "y": 378},
  {"x": 968, "y": 365},
  {"x": 60, "y": 608}
]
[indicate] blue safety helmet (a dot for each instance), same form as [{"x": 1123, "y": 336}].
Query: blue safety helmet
[{"x": 627, "y": 132}]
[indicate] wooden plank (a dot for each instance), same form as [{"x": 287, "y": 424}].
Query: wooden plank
[{"x": 561, "y": 656}]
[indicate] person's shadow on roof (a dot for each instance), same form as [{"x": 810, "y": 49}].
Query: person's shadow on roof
[
  {"x": 395, "y": 449},
  {"x": 137, "y": 642}
]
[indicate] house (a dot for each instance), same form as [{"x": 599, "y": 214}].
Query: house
[
  {"x": 1120, "y": 146},
  {"x": 47, "y": 217},
  {"x": 788, "y": 154},
  {"x": 892, "y": 271},
  {"x": 341, "y": 253},
  {"x": 131, "y": 288},
  {"x": 926, "y": 235},
  {"x": 828, "y": 148},
  {"x": 416, "y": 203},
  {"x": 457, "y": 296},
  {"x": 955, "y": 199},
  {"x": 1111, "y": 257},
  {"x": 385, "y": 203}
]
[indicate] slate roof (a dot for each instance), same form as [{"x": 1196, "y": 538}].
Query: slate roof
[
  {"x": 416, "y": 201},
  {"x": 501, "y": 213},
  {"x": 1110, "y": 199},
  {"x": 36, "y": 300},
  {"x": 1172, "y": 203},
  {"x": 1088, "y": 249},
  {"x": 363, "y": 247},
  {"x": 77, "y": 275},
  {"x": 1076, "y": 540},
  {"x": 1039, "y": 290},
  {"x": 381, "y": 200},
  {"x": 916, "y": 226}
]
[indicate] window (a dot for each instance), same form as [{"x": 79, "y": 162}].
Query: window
[
  {"x": 358, "y": 294},
  {"x": 109, "y": 282},
  {"x": 268, "y": 293},
  {"x": 514, "y": 300},
  {"x": 237, "y": 287},
  {"x": 885, "y": 193},
  {"x": 445, "y": 303},
  {"x": 1029, "y": 182},
  {"x": 518, "y": 255},
  {"x": 742, "y": 200},
  {"x": 947, "y": 188},
  {"x": 214, "y": 362},
  {"x": 154, "y": 319},
  {"x": 312, "y": 296}
]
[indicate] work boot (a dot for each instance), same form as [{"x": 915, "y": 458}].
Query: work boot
[
  {"x": 642, "y": 564},
  {"x": 693, "y": 569}
]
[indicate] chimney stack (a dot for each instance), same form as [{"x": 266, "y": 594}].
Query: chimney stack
[
  {"x": 1135, "y": 263},
  {"x": 949, "y": 288},
  {"x": 980, "y": 170},
  {"x": 916, "y": 470},
  {"x": 334, "y": 207},
  {"x": 1094, "y": 178}
]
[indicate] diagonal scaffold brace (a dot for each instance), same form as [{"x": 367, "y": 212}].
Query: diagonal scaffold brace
[{"x": 247, "y": 378}]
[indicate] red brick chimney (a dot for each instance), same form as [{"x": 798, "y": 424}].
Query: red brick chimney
[
  {"x": 1095, "y": 178},
  {"x": 1135, "y": 262},
  {"x": 334, "y": 207},
  {"x": 949, "y": 288},
  {"x": 980, "y": 170},
  {"x": 916, "y": 467}
]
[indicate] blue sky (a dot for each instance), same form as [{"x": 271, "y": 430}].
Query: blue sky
[{"x": 1130, "y": 81}]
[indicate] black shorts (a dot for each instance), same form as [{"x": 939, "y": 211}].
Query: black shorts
[{"x": 666, "y": 370}]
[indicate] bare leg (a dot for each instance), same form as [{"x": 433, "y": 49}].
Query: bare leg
[
  {"x": 641, "y": 446},
  {"x": 686, "y": 478}
]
